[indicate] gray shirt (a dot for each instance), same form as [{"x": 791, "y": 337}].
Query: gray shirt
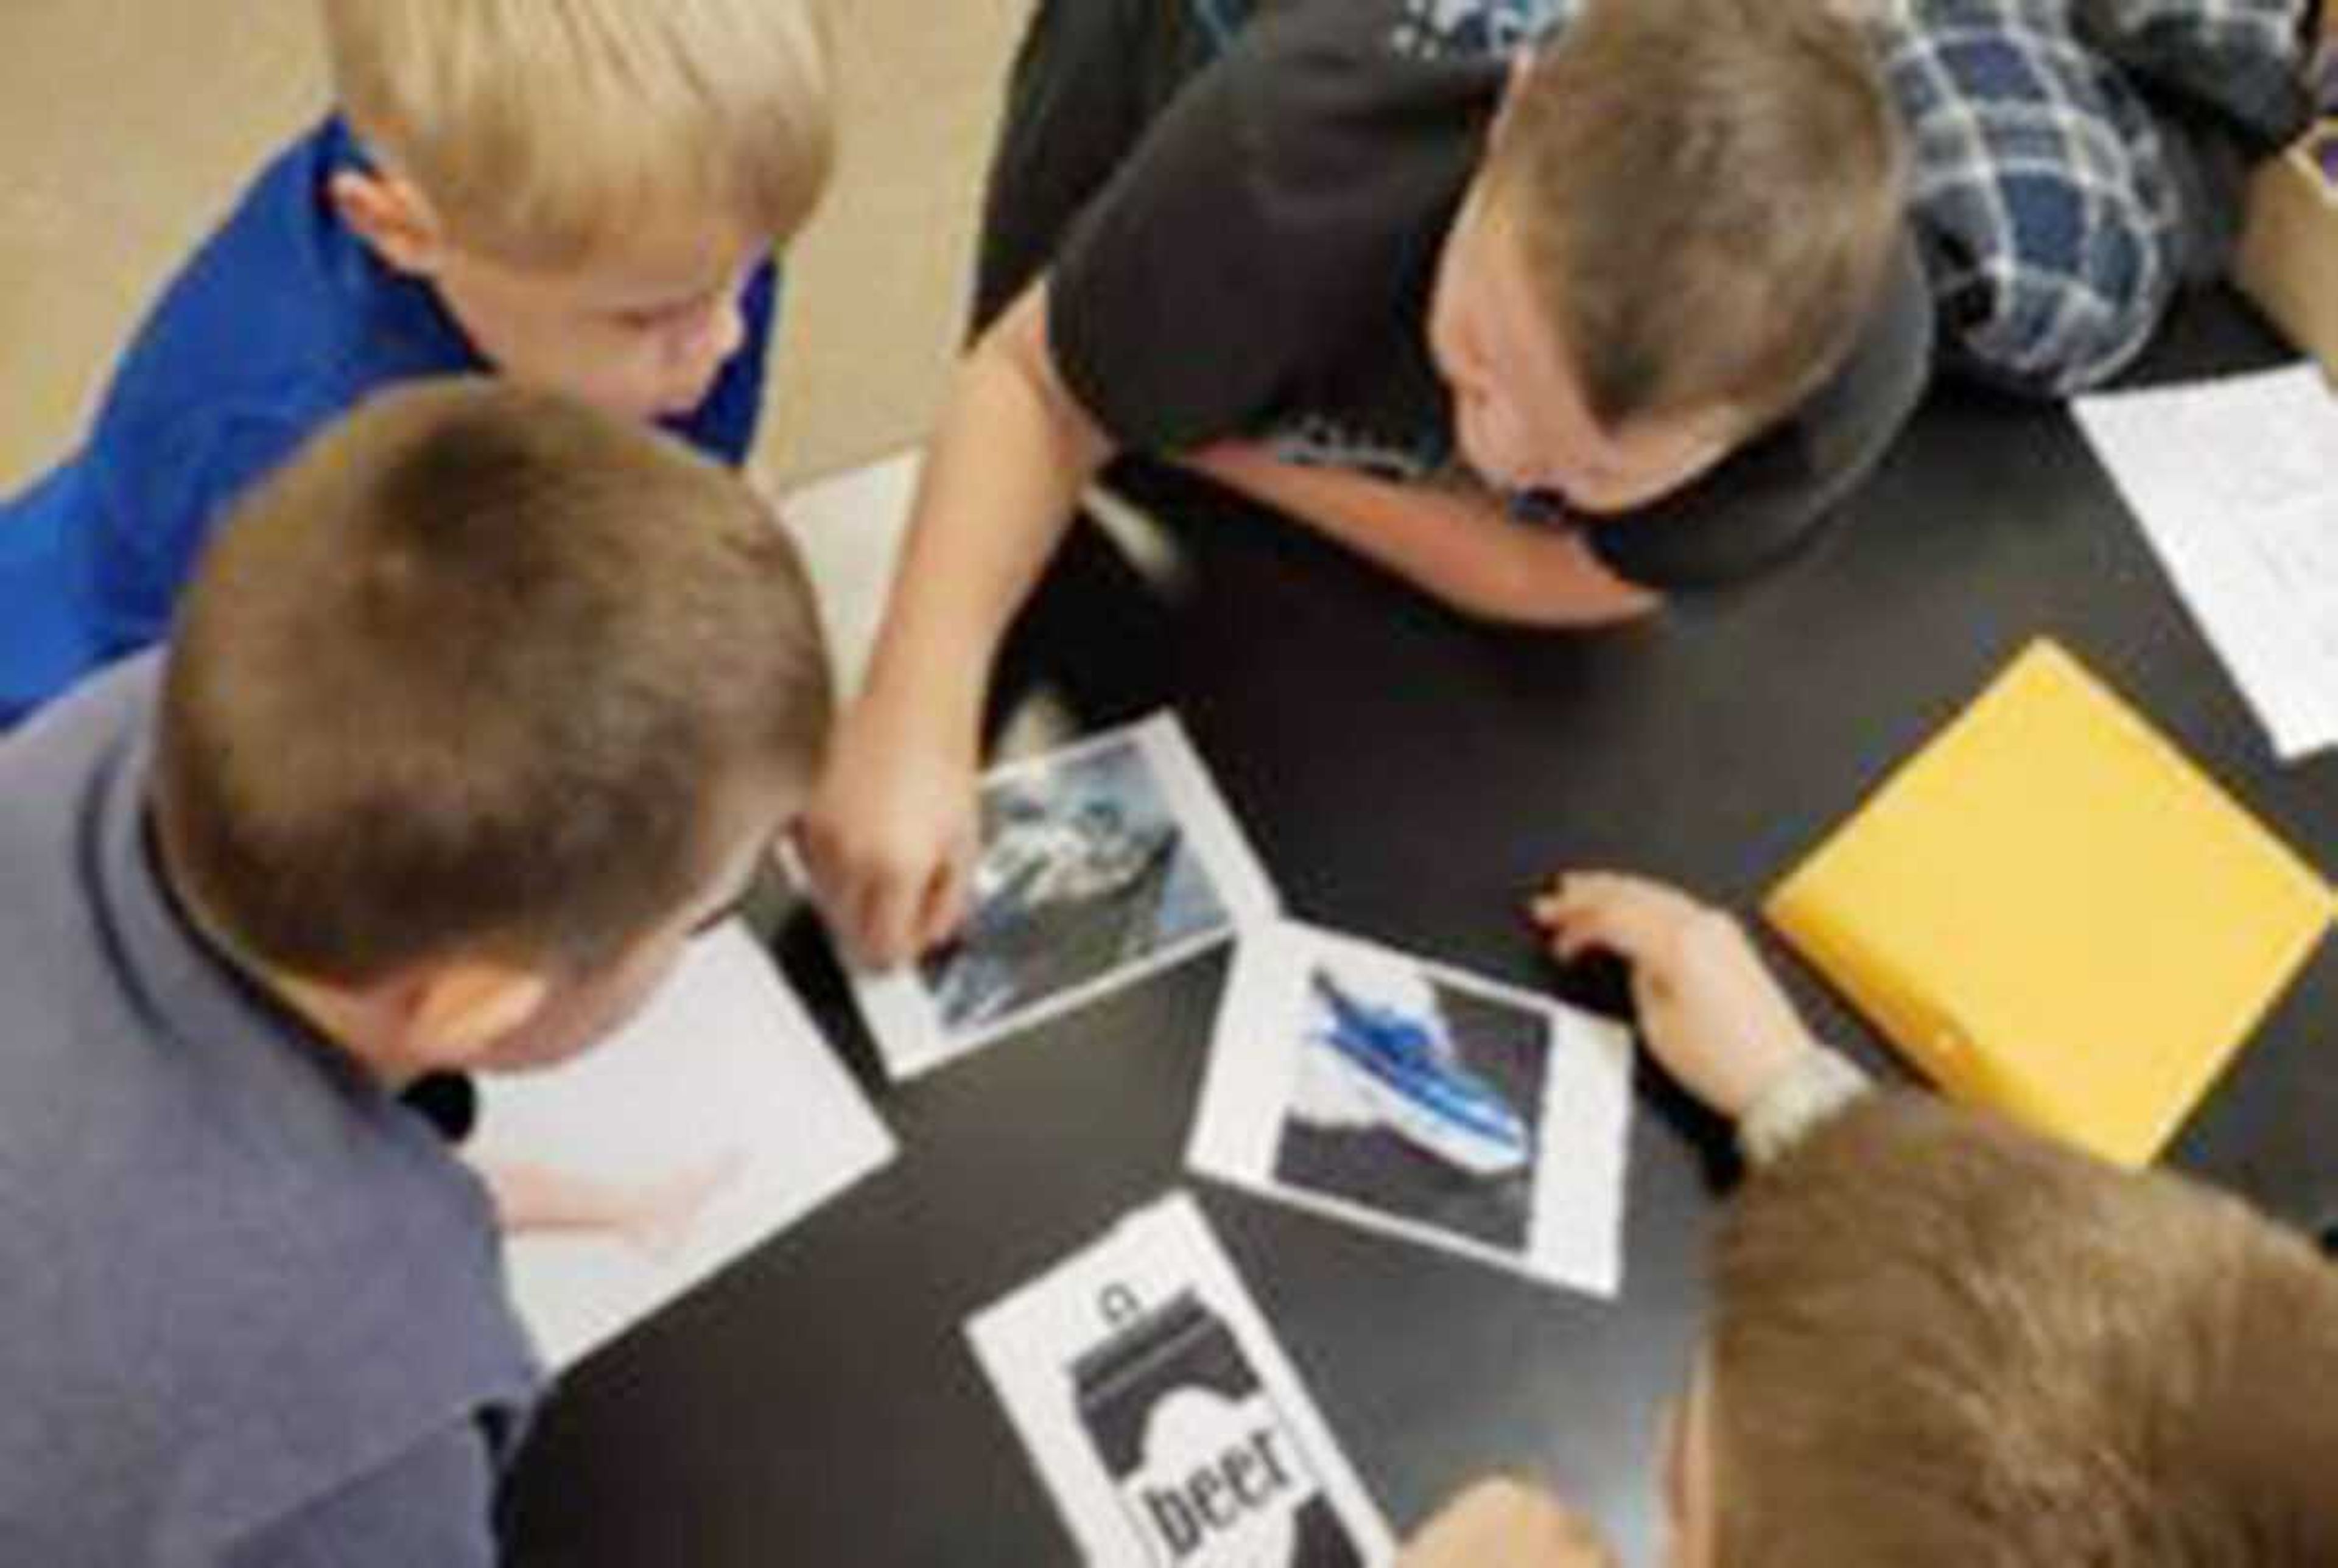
[{"x": 251, "y": 1311}]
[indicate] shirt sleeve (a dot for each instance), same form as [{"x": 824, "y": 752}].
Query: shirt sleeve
[
  {"x": 1771, "y": 499},
  {"x": 433, "y": 1504},
  {"x": 1163, "y": 309},
  {"x": 1818, "y": 1088},
  {"x": 156, "y": 503},
  {"x": 1271, "y": 219}
]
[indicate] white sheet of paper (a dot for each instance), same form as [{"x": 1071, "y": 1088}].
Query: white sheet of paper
[
  {"x": 1162, "y": 1415},
  {"x": 1418, "y": 1101},
  {"x": 723, "y": 1077},
  {"x": 2236, "y": 484},
  {"x": 1102, "y": 863}
]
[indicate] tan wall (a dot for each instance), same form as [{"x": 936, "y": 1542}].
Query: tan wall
[{"x": 128, "y": 126}]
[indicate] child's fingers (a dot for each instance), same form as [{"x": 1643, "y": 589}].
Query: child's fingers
[
  {"x": 944, "y": 908},
  {"x": 812, "y": 853},
  {"x": 1628, "y": 916},
  {"x": 1571, "y": 890},
  {"x": 890, "y": 909}
]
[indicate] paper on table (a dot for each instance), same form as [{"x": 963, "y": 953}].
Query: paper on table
[
  {"x": 723, "y": 1074},
  {"x": 2236, "y": 484},
  {"x": 1162, "y": 1415},
  {"x": 1422, "y": 1102},
  {"x": 1102, "y": 863}
]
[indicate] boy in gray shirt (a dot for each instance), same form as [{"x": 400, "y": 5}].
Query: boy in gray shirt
[{"x": 474, "y": 712}]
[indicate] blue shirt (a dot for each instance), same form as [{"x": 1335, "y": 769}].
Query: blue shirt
[
  {"x": 283, "y": 321},
  {"x": 255, "y": 1309}
]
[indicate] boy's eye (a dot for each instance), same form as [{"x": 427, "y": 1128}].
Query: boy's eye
[
  {"x": 647, "y": 320},
  {"x": 662, "y": 319}
]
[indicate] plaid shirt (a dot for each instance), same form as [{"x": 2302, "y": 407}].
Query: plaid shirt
[
  {"x": 2044, "y": 189},
  {"x": 2044, "y": 193}
]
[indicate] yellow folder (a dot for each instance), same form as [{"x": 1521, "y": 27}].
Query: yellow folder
[{"x": 2051, "y": 911}]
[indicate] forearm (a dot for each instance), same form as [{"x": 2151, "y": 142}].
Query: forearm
[
  {"x": 537, "y": 1198},
  {"x": 1002, "y": 476},
  {"x": 1460, "y": 548}
]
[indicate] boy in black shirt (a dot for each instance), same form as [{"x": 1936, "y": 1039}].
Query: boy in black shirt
[{"x": 1548, "y": 331}]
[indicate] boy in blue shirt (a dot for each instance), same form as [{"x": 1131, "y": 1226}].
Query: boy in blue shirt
[
  {"x": 472, "y": 713},
  {"x": 582, "y": 195}
]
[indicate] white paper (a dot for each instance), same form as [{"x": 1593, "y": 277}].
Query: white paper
[
  {"x": 1418, "y": 1100},
  {"x": 1163, "y": 1416},
  {"x": 1102, "y": 863},
  {"x": 2236, "y": 484},
  {"x": 721, "y": 1086}
]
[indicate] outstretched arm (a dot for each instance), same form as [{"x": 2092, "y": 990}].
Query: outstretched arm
[
  {"x": 889, "y": 836},
  {"x": 1712, "y": 1013},
  {"x": 1458, "y": 548}
]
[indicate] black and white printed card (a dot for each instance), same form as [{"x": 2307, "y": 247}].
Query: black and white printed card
[
  {"x": 1100, "y": 864},
  {"x": 1162, "y": 1415},
  {"x": 1423, "y": 1101}
]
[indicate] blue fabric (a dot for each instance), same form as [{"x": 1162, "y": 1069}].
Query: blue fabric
[
  {"x": 47, "y": 629},
  {"x": 282, "y": 323},
  {"x": 2044, "y": 184},
  {"x": 256, "y": 1309}
]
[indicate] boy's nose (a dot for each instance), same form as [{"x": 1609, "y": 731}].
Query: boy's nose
[{"x": 724, "y": 332}]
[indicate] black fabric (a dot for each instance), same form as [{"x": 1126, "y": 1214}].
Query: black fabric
[
  {"x": 1243, "y": 242},
  {"x": 1072, "y": 121},
  {"x": 2204, "y": 59},
  {"x": 449, "y": 1101},
  {"x": 1262, "y": 265}
]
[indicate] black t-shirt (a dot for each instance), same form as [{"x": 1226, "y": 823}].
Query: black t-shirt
[{"x": 1260, "y": 267}]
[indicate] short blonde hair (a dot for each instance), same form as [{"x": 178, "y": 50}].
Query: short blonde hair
[
  {"x": 1939, "y": 1340},
  {"x": 542, "y": 131}
]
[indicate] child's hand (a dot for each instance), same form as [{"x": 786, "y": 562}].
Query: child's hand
[
  {"x": 889, "y": 839},
  {"x": 658, "y": 1219},
  {"x": 1508, "y": 1523},
  {"x": 653, "y": 1220},
  {"x": 1714, "y": 1015}
]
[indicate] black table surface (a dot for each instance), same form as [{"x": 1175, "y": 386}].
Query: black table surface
[{"x": 1410, "y": 776}]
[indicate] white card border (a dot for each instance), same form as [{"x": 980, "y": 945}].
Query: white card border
[
  {"x": 910, "y": 1038},
  {"x": 1008, "y": 1336},
  {"x": 1576, "y": 1236}
]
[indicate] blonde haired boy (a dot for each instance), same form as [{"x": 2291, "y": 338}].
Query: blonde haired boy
[
  {"x": 1938, "y": 1341},
  {"x": 478, "y": 709},
  {"x": 582, "y": 195}
]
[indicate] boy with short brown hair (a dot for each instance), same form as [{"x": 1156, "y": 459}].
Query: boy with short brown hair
[
  {"x": 581, "y": 195},
  {"x": 478, "y": 709},
  {"x": 1939, "y": 1339},
  {"x": 1550, "y": 327}
]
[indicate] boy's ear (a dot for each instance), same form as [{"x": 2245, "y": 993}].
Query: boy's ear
[
  {"x": 459, "y": 1010},
  {"x": 391, "y": 216}
]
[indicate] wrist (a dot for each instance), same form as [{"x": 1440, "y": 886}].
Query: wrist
[{"x": 1816, "y": 1085}]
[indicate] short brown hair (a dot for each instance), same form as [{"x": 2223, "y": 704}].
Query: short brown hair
[
  {"x": 544, "y": 131},
  {"x": 1940, "y": 1340},
  {"x": 470, "y": 675},
  {"x": 1709, "y": 192}
]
